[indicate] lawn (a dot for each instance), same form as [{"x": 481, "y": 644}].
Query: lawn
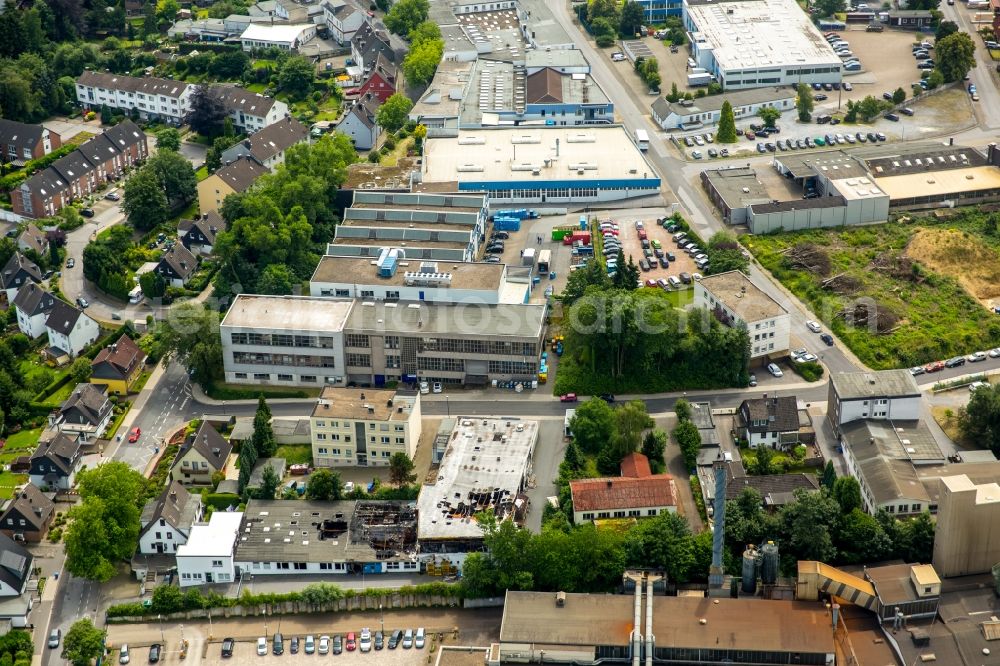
[
  {"x": 295, "y": 454},
  {"x": 257, "y": 88},
  {"x": 21, "y": 441},
  {"x": 9, "y": 481},
  {"x": 202, "y": 173},
  {"x": 898, "y": 294},
  {"x": 947, "y": 419}
]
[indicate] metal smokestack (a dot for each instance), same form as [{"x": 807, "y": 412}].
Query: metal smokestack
[{"x": 715, "y": 573}]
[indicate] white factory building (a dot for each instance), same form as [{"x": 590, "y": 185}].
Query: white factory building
[
  {"x": 755, "y": 43},
  {"x": 539, "y": 165}
]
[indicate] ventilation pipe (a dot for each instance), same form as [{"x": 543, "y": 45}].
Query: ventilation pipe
[
  {"x": 649, "y": 620},
  {"x": 637, "y": 624}
]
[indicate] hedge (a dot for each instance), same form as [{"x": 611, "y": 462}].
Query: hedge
[
  {"x": 185, "y": 48},
  {"x": 220, "y": 501}
]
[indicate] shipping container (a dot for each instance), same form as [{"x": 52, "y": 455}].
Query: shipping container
[
  {"x": 544, "y": 259},
  {"x": 507, "y": 224},
  {"x": 561, "y": 232}
]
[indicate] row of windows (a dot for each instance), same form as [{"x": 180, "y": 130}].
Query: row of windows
[
  {"x": 631, "y": 513},
  {"x": 356, "y": 340},
  {"x": 347, "y": 453},
  {"x": 281, "y": 340},
  {"x": 466, "y": 346},
  {"x": 512, "y": 367},
  {"x": 248, "y": 358},
  {"x": 333, "y": 437},
  {"x": 359, "y": 360},
  {"x": 534, "y": 193},
  {"x": 447, "y": 364}
]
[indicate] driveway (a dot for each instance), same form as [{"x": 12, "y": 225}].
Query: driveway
[{"x": 67, "y": 128}]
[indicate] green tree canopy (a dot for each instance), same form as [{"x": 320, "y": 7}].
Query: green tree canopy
[
  {"x": 269, "y": 482},
  {"x": 632, "y": 17},
  {"x": 168, "y": 138},
  {"x": 769, "y": 115},
  {"x": 979, "y": 421},
  {"x": 405, "y": 15},
  {"x": 593, "y": 425},
  {"x": 689, "y": 440},
  {"x": 324, "y": 484},
  {"x": 804, "y": 102},
  {"x": 422, "y": 60},
  {"x": 83, "y": 643},
  {"x": 423, "y": 32},
  {"x": 207, "y": 113},
  {"x": 401, "y": 469},
  {"x": 392, "y": 114},
  {"x": 296, "y": 77},
  {"x": 190, "y": 333},
  {"x": 847, "y": 492},
  {"x": 898, "y": 96},
  {"x": 144, "y": 200},
  {"x": 727, "y": 123},
  {"x": 956, "y": 55}
]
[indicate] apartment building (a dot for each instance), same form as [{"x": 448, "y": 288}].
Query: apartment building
[
  {"x": 363, "y": 427},
  {"x": 884, "y": 395},
  {"x": 305, "y": 341},
  {"x": 342, "y": 19},
  {"x": 231, "y": 179},
  {"x": 736, "y": 301},
  {"x": 267, "y": 147}
]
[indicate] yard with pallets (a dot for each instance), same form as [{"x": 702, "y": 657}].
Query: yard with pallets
[{"x": 899, "y": 294}]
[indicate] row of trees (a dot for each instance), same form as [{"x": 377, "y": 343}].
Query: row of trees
[
  {"x": 608, "y": 434},
  {"x": 649, "y": 71},
  {"x": 608, "y": 20},
  {"x": 260, "y": 445},
  {"x": 426, "y": 50},
  {"x": 686, "y": 434},
  {"x": 164, "y": 184}
]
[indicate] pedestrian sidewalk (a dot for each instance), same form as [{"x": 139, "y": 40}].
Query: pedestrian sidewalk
[{"x": 137, "y": 404}]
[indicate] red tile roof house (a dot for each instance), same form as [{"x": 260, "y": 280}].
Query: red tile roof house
[
  {"x": 638, "y": 493},
  {"x": 381, "y": 82}
]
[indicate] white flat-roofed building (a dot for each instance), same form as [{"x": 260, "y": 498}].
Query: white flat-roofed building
[
  {"x": 885, "y": 394},
  {"x": 500, "y": 451},
  {"x": 756, "y": 43},
  {"x": 287, "y": 340},
  {"x": 207, "y": 557},
  {"x": 277, "y": 36},
  {"x": 433, "y": 282},
  {"x": 539, "y": 164},
  {"x": 736, "y": 301},
  {"x": 363, "y": 427}
]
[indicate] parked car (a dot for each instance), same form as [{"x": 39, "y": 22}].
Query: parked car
[
  {"x": 753, "y": 380},
  {"x": 975, "y": 385},
  {"x": 262, "y": 646},
  {"x": 775, "y": 370},
  {"x": 83, "y": 302},
  {"x": 227, "y": 647},
  {"x": 917, "y": 370},
  {"x": 954, "y": 362},
  {"x": 112, "y": 196},
  {"x": 418, "y": 639},
  {"x": 976, "y": 357},
  {"x": 568, "y": 397},
  {"x": 324, "y": 644},
  {"x": 365, "y": 642},
  {"x": 395, "y": 639},
  {"x": 827, "y": 338},
  {"x": 379, "y": 640},
  {"x": 293, "y": 645},
  {"x": 891, "y": 116},
  {"x": 994, "y": 353},
  {"x": 309, "y": 644},
  {"x": 123, "y": 657},
  {"x": 813, "y": 326},
  {"x": 437, "y": 387},
  {"x": 408, "y": 639},
  {"x": 847, "y": 86},
  {"x": 87, "y": 212},
  {"x": 278, "y": 644},
  {"x": 154, "y": 653},
  {"x": 337, "y": 645},
  {"x": 934, "y": 366},
  {"x": 134, "y": 435}
]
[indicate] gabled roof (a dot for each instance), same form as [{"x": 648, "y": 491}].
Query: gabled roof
[
  {"x": 15, "y": 563},
  {"x": 149, "y": 85},
  {"x": 63, "y": 317},
  {"x": 31, "y": 299},
  {"x": 368, "y": 42},
  {"x": 779, "y": 414},
  {"x": 118, "y": 360},
  {"x": 61, "y": 451},
  {"x": 208, "y": 443},
  {"x": 384, "y": 68},
  {"x": 21, "y": 135},
  {"x": 73, "y": 166},
  {"x": 33, "y": 238},
  {"x": 210, "y": 225},
  {"x": 610, "y": 494},
  {"x": 90, "y": 401},
  {"x": 175, "y": 505},
  {"x": 544, "y": 87},
  {"x": 239, "y": 99},
  {"x": 257, "y": 475},
  {"x": 241, "y": 174},
  {"x": 30, "y": 504},
  {"x": 180, "y": 260},
  {"x": 275, "y": 138},
  {"x": 636, "y": 465},
  {"x": 99, "y": 149},
  {"x": 17, "y": 265},
  {"x": 365, "y": 109},
  {"x": 774, "y": 488},
  {"x": 124, "y": 134},
  {"x": 46, "y": 183}
]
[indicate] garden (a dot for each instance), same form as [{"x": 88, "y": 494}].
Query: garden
[{"x": 911, "y": 291}]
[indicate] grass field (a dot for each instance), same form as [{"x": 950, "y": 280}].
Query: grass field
[
  {"x": 19, "y": 444},
  {"x": 899, "y": 294},
  {"x": 295, "y": 454}
]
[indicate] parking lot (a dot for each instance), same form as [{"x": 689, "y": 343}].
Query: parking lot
[
  {"x": 628, "y": 234},
  {"x": 246, "y": 652}
]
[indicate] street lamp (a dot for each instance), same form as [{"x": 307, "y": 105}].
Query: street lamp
[
  {"x": 382, "y": 620},
  {"x": 162, "y": 639}
]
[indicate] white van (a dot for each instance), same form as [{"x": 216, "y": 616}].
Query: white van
[
  {"x": 418, "y": 642},
  {"x": 674, "y": 282},
  {"x": 135, "y": 296}
]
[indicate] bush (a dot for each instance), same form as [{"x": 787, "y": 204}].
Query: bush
[
  {"x": 605, "y": 40},
  {"x": 55, "y": 534},
  {"x": 810, "y": 371}
]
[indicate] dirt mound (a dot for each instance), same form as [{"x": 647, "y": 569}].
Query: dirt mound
[{"x": 962, "y": 256}]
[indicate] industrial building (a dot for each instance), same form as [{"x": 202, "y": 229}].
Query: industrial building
[
  {"x": 340, "y": 341},
  {"x": 539, "y": 165},
  {"x": 637, "y": 493},
  {"x": 486, "y": 466},
  {"x": 894, "y": 592},
  {"x": 547, "y": 627},
  {"x": 430, "y": 281},
  {"x": 363, "y": 427},
  {"x": 706, "y": 111},
  {"x": 420, "y": 226},
  {"x": 966, "y": 539},
  {"x": 736, "y": 301},
  {"x": 885, "y": 394},
  {"x": 278, "y": 537},
  {"x": 757, "y": 43}
]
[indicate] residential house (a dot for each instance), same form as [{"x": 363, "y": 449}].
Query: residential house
[
  {"x": 267, "y": 147},
  {"x": 177, "y": 265},
  {"x": 202, "y": 455},
  {"x": 769, "y": 421},
  {"x": 118, "y": 365},
  {"x": 32, "y": 306},
  {"x": 737, "y": 302},
  {"x": 87, "y": 412},
  {"x": 33, "y": 239},
  {"x": 368, "y": 42},
  {"x": 250, "y": 112},
  {"x": 207, "y": 556},
  {"x": 28, "y": 515},
  {"x": 231, "y": 179},
  {"x": 204, "y": 30},
  {"x": 18, "y": 272},
  {"x": 167, "y": 520},
  {"x": 359, "y": 122},
  {"x": 41, "y": 195},
  {"x": 637, "y": 493},
  {"x": 886, "y": 394},
  {"x": 284, "y": 37},
  {"x": 382, "y": 79},
  {"x": 776, "y": 490},
  {"x": 56, "y": 461},
  {"x": 70, "y": 331},
  {"x": 268, "y": 8},
  {"x": 199, "y": 235},
  {"x": 21, "y": 142},
  {"x": 364, "y": 427},
  {"x": 153, "y": 98},
  {"x": 16, "y": 570},
  {"x": 343, "y": 19}
]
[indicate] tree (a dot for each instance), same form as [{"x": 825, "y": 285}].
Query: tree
[
  {"x": 175, "y": 175},
  {"x": 80, "y": 370},
  {"x": 682, "y": 409},
  {"x": 829, "y": 476},
  {"x": 269, "y": 483},
  {"x": 422, "y": 61},
  {"x": 632, "y": 17},
  {"x": 296, "y": 77},
  {"x": 862, "y": 539},
  {"x": 869, "y": 108},
  {"x": 935, "y": 79},
  {"x": 727, "y": 255},
  {"x": 406, "y": 15},
  {"x": 167, "y": 599},
  {"x": 829, "y": 7},
  {"x": 944, "y": 29},
  {"x": 920, "y": 538},
  {"x": 979, "y": 421},
  {"x": 763, "y": 457},
  {"x": 689, "y": 440},
  {"x": 654, "y": 445},
  {"x": 324, "y": 484},
  {"x": 207, "y": 113},
  {"x": 663, "y": 542},
  {"x": 727, "y": 123},
  {"x": 190, "y": 333},
  {"x": 608, "y": 9},
  {"x": 229, "y": 64},
  {"x": 592, "y": 425},
  {"x": 401, "y": 470},
  {"x": 153, "y": 285},
  {"x": 105, "y": 526},
  {"x": 899, "y": 96},
  {"x": 956, "y": 55},
  {"x": 277, "y": 279},
  {"x": 630, "y": 420},
  {"x": 392, "y": 114},
  {"x": 804, "y": 102},
  {"x": 426, "y": 31},
  {"x": 83, "y": 643},
  {"x": 263, "y": 434},
  {"x": 769, "y": 115},
  {"x": 166, "y": 10},
  {"x": 248, "y": 460},
  {"x": 847, "y": 492},
  {"x": 168, "y": 138},
  {"x": 144, "y": 201},
  {"x": 808, "y": 524}
]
